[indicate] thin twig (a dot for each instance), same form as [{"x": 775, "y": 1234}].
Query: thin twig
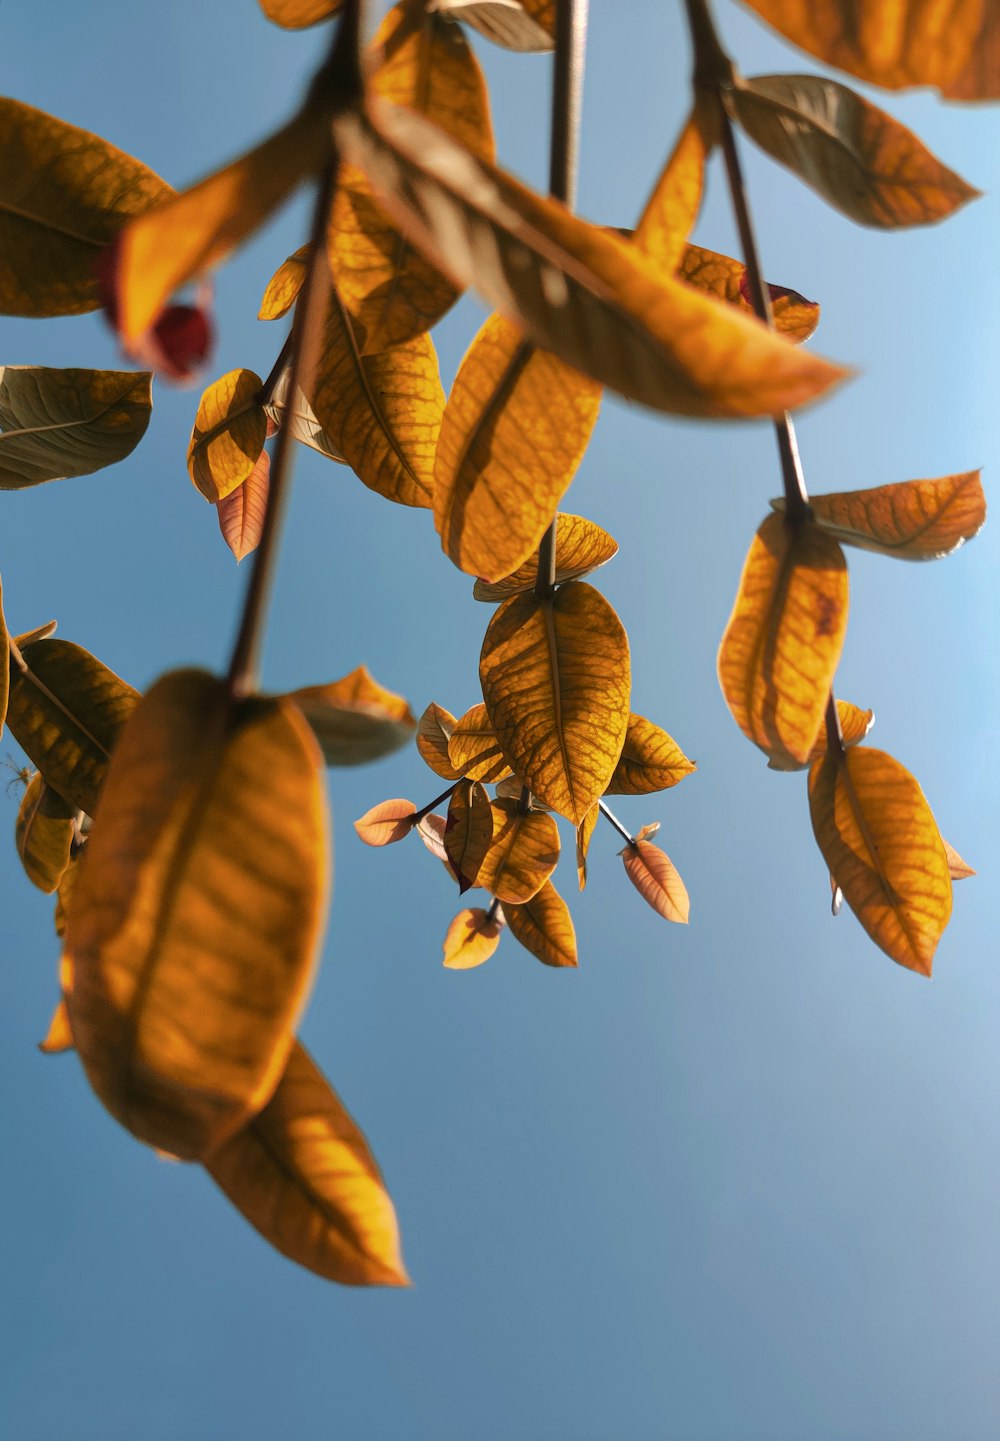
[
  {"x": 609, "y": 815},
  {"x": 445, "y": 795}
]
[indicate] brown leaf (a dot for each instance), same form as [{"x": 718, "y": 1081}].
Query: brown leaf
[
  {"x": 57, "y": 423},
  {"x": 655, "y": 877},
  {"x": 46, "y": 827},
  {"x": 912, "y": 520},
  {"x": 241, "y": 514},
  {"x": 581, "y": 546},
  {"x": 794, "y": 316},
  {"x": 355, "y": 719},
  {"x": 584, "y": 834},
  {"x": 784, "y": 637},
  {"x": 471, "y": 939},
  {"x": 650, "y": 761},
  {"x": 521, "y": 855},
  {"x": 434, "y": 731},
  {"x": 524, "y": 25},
  {"x": 544, "y": 927},
  {"x": 473, "y": 748},
  {"x": 468, "y": 832},
  {"x": 672, "y": 209},
  {"x": 228, "y": 436},
  {"x": 880, "y": 840},
  {"x": 387, "y": 822},
  {"x": 64, "y": 894},
  {"x": 958, "y": 869},
  {"x": 854, "y": 726},
  {"x": 58, "y": 1037}
]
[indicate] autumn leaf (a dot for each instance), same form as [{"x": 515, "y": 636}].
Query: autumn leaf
[
  {"x": 58, "y": 423},
  {"x": 854, "y": 155},
  {"x": 471, "y": 939},
  {"x": 46, "y": 826},
  {"x": 434, "y": 730},
  {"x": 584, "y": 834},
  {"x": 512, "y": 789},
  {"x": 556, "y": 678},
  {"x": 385, "y": 823},
  {"x": 880, "y": 840},
  {"x": 64, "y": 894},
  {"x": 64, "y": 194},
  {"x": 468, "y": 832},
  {"x": 300, "y": 419},
  {"x": 795, "y": 317},
  {"x": 650, "y": 761},
  {"x": 284, "y": 286},
  {"x": 229, "y": 433},
  {"x": 241, "y": 513},
  {"x": 672, "y": 208},
  {"x": 591, "y": 298},
  {"x": 783, "y": 641},
  {"x": 855, "y": 724},
  {"x": 355, "y": 719},
  {"x": 655, "y": 877},
  {"x": 303, "y": 1176},
  {"x": 544, "y": 927},
  {"x": 197, "y": 913},
  {"x": 912, "y": 520},
  {"x": 522, "y": 854},
  {"x": 581, "y": 547},
  {"x": 473, "y": 748},
  {"x": 516, "y": 426},
  {"x": 58, "y": 1037},
  {"x": 958, "y": 869},
  {"x": 393, "y": 289},
  {"x": 431, "y": 831},
  {"x": 523, "y": 25},
  {"x": 297, "y": 14}
]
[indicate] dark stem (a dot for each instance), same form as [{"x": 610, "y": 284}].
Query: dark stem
[
  {"x": 339, "y": 84},
  {"x": 445, "y": 795},
  {"x": 609, "y": 815},
  {"x": 491, "y": 914},
  {"x": 266, "y": 392},
  {"x": 834, "y": 734}
]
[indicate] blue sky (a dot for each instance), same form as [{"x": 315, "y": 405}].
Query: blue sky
[{"x": 728, "y": 1182}]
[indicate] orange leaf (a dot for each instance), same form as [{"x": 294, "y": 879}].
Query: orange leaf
[
  {"x": 297, "y": 14},
  {"x": 655, "y": 877},
  {"x": 581, "y": 546},
  {"x": 584, "y": 833},
  {"x": 650, "y": 761},
  {"x": 958, "y": 869},
  {"x": 471, "y": 939},
  {"x": 228, "y": 436},
  {"x": 59, "y": 1037},
  {"x": 355, "y": 719},
  {"x": 387, "y": 822},
  {"x": 284, "y": 286},
  {"x": 434, "y": 730},
  {"x": 44, "y": 834},
  {"x": 854, "y": 726},
  {"x": 468, "y": 832},
  {"x": 473, "y": 749},
  {"x": 672, "y": 209},
  {"x": 241, "y": 513},
  {"x": 544, "y": 927},
  {"x": 912, "y": 520},
  {"x": 522, "y": 853},
  {"x": 794, "y": 316}
]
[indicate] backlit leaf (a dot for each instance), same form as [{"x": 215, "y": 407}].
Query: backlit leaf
[
  {"x": 522, "y": 854},
  {"x": 958, "y": 869},
  {"x": 303, "y": 1176},
  {"x": 581, "y": 546},
  {"x": 655, "y": 877},
  {"x": 556, "y": 681},
  {"x": 355, "y": 719},
  {"x": 650, "y": 761},
  {"x": 673, "y": 207},
  {"x": 391, "y": 288},
  {"x": 523, "y": 25},
  {"x": 471, "y": 939},
  {"x": 64, "y": 194},
  {"x": 197, "y": 913},
  {"x": 300, "y": 419},
  {"x": 46, "y": 825},
  {"x": 468, "y": 832},
  {"x": 794, "y": 316},
  {"x": 434, "y": 730},
  {"x": 66, "y": 712},
  {"x": 229, "y": 433},
  {"x": 881, "y": 842},
  {"x": 590, "y": 297},
  {"x": 64, "y": 894},
  {"x": 297, "y": 14},
  {"x": 387, "y": 822},
  {"x": 431, "y": 831},
  {"x": 856, "y": 156},
  {"x": 473, "y": 748},
  {"x": 544, "y": 927},
  {"x": 58, "y": 1037},
  {"x": 584, "y": 835},
  {"x": 60, "y": 423},
  {"x": 515, "y": 428},
  {"x": 784, "y": 637},
  {"x": 242, "y": 512},
  {"x": 855, "y": 724},
  {"x": 284, "y": 286},
  {"x": 912, "y": 520}
]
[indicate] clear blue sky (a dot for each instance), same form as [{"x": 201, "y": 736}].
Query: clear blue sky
[{"x": 732, "y": 1183}]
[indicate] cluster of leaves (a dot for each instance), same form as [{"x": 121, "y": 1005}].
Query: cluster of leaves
[{"x": 184, "y": 833}]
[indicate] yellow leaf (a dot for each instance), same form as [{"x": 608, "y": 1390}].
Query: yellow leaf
[
  {"x": 784, "y": 637},
  {"x": 242, "y": 512},
  {"x": 522, "y": 854},
  {"x": 387, "y": 822},
  {"x": 473, "y": 749},
  {"x": 544, "y": 927},
  {"x": 303, "y": 1176},
  {"x": 898, "y": 43},
  {"x": 958, "y": 869},
  {"x": 46, "y": 826},
  {"x": 589, "y": 297},
  {"x": 355, "y": 719},
  {"x": 196, "y": 917},
  {"x": 854, "y": 726},
  {"x": 434, "y": 730},
  {"x": 655, "y": 877},
  {"x": 673, "y": 207},
  {"x": 391, "y": 288},
  {"x": 60, "y": 423},
  {"x": 382, "y": 412},
  {"x": 556, "y": 679},
  {"x": 66, "y": 710},
  {"x": 471, "y": 939},
  {"x": 515, "y": 428},
  {"x": 468, "y": 832},
  {"x": 854, "y": 155},
  {"x": 912, "y": 520},
  {"x": 650, "y": 761},
  {"x": 297, "y": 14},
  {"x": 794, "y": 316},
  {"x": 64, "y": 195},
  {"x": 584, "y": 834},
  {"x": 523, "y": 25},
  {"x": 59, "y": 1037},
  {"x": 284, "y": 286},
  {"x": 880, "y": 841},
  {"x": 581, "y": 546},
  {"x": 229, "y": 433},
  {"x": 64, "y": 894}
]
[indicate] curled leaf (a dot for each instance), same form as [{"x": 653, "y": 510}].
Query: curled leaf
[
  {"x": 958, "y": 869},
  {"x": 855, "y": 724},
  {"x": 655, "y": 877},
  {"x": 46, "y": 827},
  {"x": 650, "y": 760},
  {"x": 434, "y": 731},
  {"x": 60, "y": 423},
  {"x": 544, "y": 927},
  {"x": 581, "y": 546},
  {"x": 355, "y": 719},
  {"x": 473, "y": 748},
  {"x": 300, "y": 419},
  {"x": 522, "y": 853},
  {"x": 242, "y": 512},
  {"x": 471, "y": 939},
  {"x": 387, "y": 822},
  {"x": 912, "y": 520},
  {"x": 431, "y": 831},
  {"x": 284, "y": 286},
  {"x": 58, "y": 1037},
  {"x": 229, "y": 433},
  {"x": 584, "y": 834},
  {"x": 795, "y": 317}
]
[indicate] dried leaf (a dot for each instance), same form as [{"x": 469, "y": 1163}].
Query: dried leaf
[
  {"x": 794, "y": 316},
  {"x": 655, "y": 877},
  {"x": 468, "y": 832},
  {"x": 958, "y": 869},
  {"x": 650, "y": 761},
  {"x": 854, "y": 726},
  {"x": 581, "y": 546},
  {"x": 880, "y": 840},
  {"x": 60, "y": 423},
  {"x": 300, "y": 419},
  {"x": 584, "y": 834},
  {"x": 229, "y": 433},
  {"x": 434, "y": 731},
  {"x": 58, "y": 1037},
  {"x": 783, "y": 641},
  {"x": 297, "y": 14},
  {"x": 473, "y": 749},
  {"x": 672, "y": 209},
  {"x": 556, "y": 680},
  {"x": 544, "y": 927},
  {"x": 912, "y": 520},
  {"x": 522, "y": 854},
  {"x": 46, "y": 825},
  {"x": 471, "y": 939},
  {"x": 284, "y": 286},
  {"x": 387, "y": 822},
  {"x": 303, "y": 1176},
  {"x": 854, "y": 155},
  {"x": 241, "y": 513},
  {"x": 524, "y": 25},
  {"x": 355, "y": 719}
]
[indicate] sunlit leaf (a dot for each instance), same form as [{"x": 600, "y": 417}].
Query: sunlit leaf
[
  {"x": 556, "y": 681},
  {"x": 794, "y": 316},
  {"x": 303, "y": 1176},
  {"x": 58, "y": 1037},
  {"x": 241, "y": 513},
  {"x": 40, "y": 632},
  {"x": 284, "y": 286},
  {"x": 581, "y": 546},
  {"x": 522, "y": 854},
  {"x": 66, "y": 711},
  {"x": 468, "y": 832},
  {"x": 300, "y": 419},
  {"x": 64, "y": 194},
  {"x": 387, "y": 822},
  {"x": 784, "y": 637},
  {"x": 431, "y": 831},
  {"x": 471, "y": 939},
  {"x": 523, "y": 25},
  {"x": 856, "y": 156},
  {"x": 196, "y": 916},
  {"x": 544, "y": 927},
  {"x": 60, "y": 423},
  {"x": 390, "y": 287},
  {"x": 590, "y": 297},
  {"x": 355, "y": 719},
  {"x": 229, "y": 433},
  {"x": 881, "y": 842},
  {"x": 655, "y": 877},
  {"x": 898, "y": 43},
  {"x": 473, "y": 749},
  {"x": 855, "y": 724},
  {"x": 64, "y": 894},
  {"x": 434, "y": 731},
  {"x": 297, "y": 14},
  {"x": 673, "y": 207},
  {"x": 46, "y": 825},
  {"x": 958, "y": 869},
  {"x": 584, "y": 835},
  {"x": 912, "y": 520},
  {"x": 650, "y": 761},
  {"x": 515, "y": 428}
]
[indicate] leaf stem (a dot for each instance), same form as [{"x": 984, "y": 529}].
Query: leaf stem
[
  {"x": 609, "y": 815},
  {"x": 834, "y": 734},
  {"x": 491, "y": 914},
  {"x": 445, "y": 795}
]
